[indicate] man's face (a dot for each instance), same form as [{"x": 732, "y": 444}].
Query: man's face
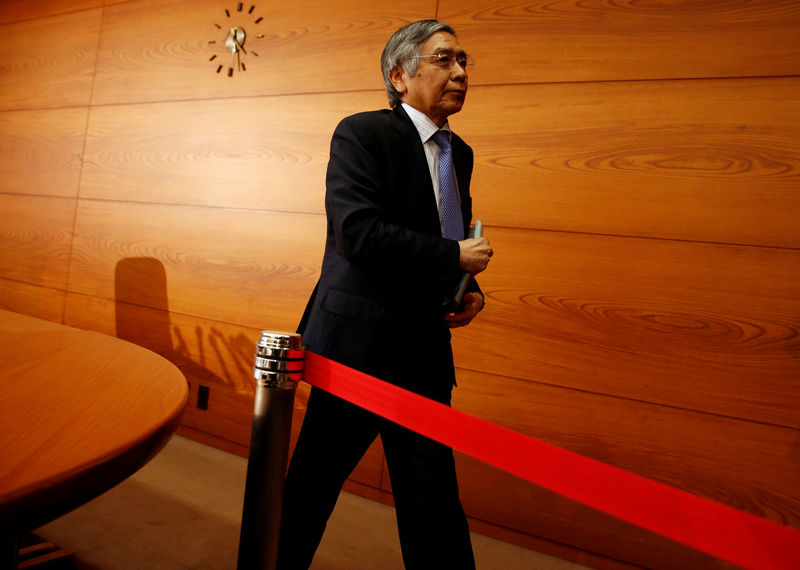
[{"x": 437, "y": 89}]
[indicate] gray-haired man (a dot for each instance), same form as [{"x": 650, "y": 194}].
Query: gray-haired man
[{"x": 380, "y": 303}]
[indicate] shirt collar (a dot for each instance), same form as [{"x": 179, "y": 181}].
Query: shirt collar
[{"x": 425, "y": 127}]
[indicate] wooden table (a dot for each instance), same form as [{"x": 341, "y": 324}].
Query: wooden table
[{"x": 79, "y": 412}]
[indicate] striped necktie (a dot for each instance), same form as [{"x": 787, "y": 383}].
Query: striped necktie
[{"x": 452, "y": 220}]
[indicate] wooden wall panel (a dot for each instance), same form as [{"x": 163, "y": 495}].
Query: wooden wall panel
[
  {"x": 13, "y": 11},
  {"x": 249, "y": 268},
  {"x": 266, "y": 153},
  {"x": 35, "y": 236},
  {"x": 40, "y": 151},
  {"x": 165, "y": 55},
  {"x": 748, "y": 465},
  {"x": 40, "y": 302},
  {"x": 543, "y": 41},
  {"x": 697, "y": 160},
  {"x": 508, "y": 503},
  {"x": 229, "y": 414},
  {"x": 49, "y": 62},
  {"x": 212, "y": 351},
  {"x": 699, "y": 326}
]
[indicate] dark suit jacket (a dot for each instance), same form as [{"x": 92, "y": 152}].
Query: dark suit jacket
[{"x": 386, "y": 269}]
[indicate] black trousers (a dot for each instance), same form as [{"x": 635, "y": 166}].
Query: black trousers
[{"x": 335, "y": 435}]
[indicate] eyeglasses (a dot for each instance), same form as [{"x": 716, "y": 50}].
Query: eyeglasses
[{"x": 447, "y": 59}]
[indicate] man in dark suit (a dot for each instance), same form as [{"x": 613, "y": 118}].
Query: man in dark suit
[{"x": 380, "y": 305}]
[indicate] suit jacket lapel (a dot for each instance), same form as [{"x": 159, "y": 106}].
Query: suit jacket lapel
[{"x": 411, "y": 159}]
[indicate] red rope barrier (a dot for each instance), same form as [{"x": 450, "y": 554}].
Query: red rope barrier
[{"x": 727, "y": 533}]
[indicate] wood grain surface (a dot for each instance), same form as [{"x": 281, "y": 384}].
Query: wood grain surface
[
  {"x": 266, "y": 154},
  {"x": 40, "y": 151},
  {"x": 541, "y": 41},
  {"x": 690, "y": 160},
  {"x": 704, "y": 327},
  {"x": 49, "y": 62},
  {"x": 496, "y": 496},
  {"x": 35, "y": 238},
  {"x": 235, "y": 266},
  {"x": 737, "y": 462},
  {"x": 207, "y": 350},
  {"x": 112, "y": 407},
  {"x": 166, "y": 55},
  {"x": 40, "y": 302},
  {"x": 17, "y": 11}
]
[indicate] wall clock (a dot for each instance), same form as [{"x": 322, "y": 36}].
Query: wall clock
[{"x": 236, "y": 29}]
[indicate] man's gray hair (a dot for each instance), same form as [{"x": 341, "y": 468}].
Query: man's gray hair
[{"x": 401, "y": 49}]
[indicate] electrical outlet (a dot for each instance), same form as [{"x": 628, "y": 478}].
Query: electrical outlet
[{"x": 202, "y": 397}]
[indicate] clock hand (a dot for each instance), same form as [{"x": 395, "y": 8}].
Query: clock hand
[{"x": 239, "y": 45}]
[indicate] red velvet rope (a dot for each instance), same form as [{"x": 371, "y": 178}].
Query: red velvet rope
[{"x": 716, "y": 529}]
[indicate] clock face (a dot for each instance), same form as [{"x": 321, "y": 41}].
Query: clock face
[{"x": 235, "y": 36}]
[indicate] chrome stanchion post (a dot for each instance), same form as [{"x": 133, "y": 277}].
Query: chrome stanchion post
[{"x": 278, "y": 367}]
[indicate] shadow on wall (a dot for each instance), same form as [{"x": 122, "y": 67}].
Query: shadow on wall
[
  {"x": 143, "y": 318},
  {"x": 142, "y": 308}
]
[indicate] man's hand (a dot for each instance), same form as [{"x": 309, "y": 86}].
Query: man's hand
[
  {"x": 475, "y": 254},
  {"x": 473, "y": 303}
]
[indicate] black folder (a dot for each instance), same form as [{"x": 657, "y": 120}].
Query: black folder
[{"x": 458, "y": 294}]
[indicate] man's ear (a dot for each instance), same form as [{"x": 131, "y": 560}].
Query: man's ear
[{"x": 398, "y": 78}]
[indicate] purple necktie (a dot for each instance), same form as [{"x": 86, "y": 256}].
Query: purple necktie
[{"x": 452, "y": 220}]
